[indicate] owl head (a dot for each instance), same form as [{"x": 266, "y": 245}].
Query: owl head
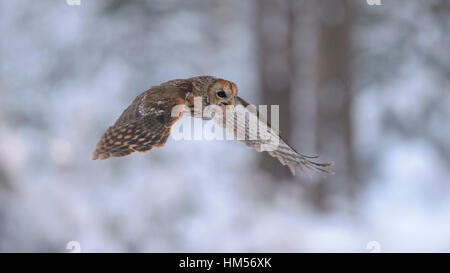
[{"x": 222, "y": 93}]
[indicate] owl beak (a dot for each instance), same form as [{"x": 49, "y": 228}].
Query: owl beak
[{"x": 226, "y": 103}]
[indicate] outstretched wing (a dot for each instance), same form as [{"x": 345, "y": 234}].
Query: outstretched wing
[
  {"x": 145, "y": 124},
  {"x": 260, "y": 136}
]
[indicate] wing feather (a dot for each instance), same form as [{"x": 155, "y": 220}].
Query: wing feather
[
  {"x": 263, "y": 137},
  {"x": 145, "y": 124}
]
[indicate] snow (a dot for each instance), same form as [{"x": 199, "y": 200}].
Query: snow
[{"x": 69, "y": 71}]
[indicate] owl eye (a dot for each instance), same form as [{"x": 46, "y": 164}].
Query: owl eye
[{"x": 221, "y": 94}]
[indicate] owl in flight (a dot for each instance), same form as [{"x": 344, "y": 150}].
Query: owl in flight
[{"x": 147, "y": 122}]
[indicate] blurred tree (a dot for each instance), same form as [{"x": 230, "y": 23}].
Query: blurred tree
[
  {"x": 417, "y": 53},
  {"x": 334, "y": 99},
  {"x": 275, "y": 31}
]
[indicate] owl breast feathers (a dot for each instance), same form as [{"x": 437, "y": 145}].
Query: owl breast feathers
[{"x": 147, "y": 122}]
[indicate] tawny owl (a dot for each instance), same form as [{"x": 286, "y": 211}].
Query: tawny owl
[{"x": 147, "y": 122}]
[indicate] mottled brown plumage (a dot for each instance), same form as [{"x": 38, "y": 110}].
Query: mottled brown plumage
[{"x": 147, "y": 122}]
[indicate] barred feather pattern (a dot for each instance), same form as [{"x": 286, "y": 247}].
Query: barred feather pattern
[
  {"x": 264, "y": 138},
  {"x": 145, "y": 124}
]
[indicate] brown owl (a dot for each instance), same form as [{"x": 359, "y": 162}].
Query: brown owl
[{"x": 147, "y": 122}]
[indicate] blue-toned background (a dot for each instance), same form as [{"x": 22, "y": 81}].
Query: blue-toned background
[{"x": 364, "y": 86}]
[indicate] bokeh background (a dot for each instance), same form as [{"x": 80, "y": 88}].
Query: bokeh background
[{"x": 365, "y": 86}]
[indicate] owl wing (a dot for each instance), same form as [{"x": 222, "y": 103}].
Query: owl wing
[
  {"x": 264, "y": 138},
  {"x": 145, "y": 124}
]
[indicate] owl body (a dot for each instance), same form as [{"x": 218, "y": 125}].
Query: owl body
[{"x": 147, "y": 122}]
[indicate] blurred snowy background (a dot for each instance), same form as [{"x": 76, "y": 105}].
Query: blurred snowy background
[{"x": 364, "y": 86}]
